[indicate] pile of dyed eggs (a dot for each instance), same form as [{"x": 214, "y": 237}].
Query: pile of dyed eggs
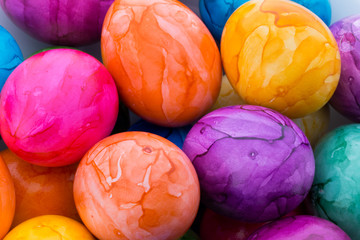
[{"x": 232, "y": 140}]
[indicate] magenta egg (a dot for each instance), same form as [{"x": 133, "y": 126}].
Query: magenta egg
[{"x": 56, "y": 105}]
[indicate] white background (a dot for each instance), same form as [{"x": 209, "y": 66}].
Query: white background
[{"x": 28, "y": 45}]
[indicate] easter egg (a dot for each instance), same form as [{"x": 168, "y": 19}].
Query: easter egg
[
  {"x": 59, "y": 22},
  {"x": 49, "y": 227},
  {"x": 315, "y": 125},
  {"x": 40, "y": 190},
  {"x": 300, "y": 228},
  {"x": 335, "y": 193},
  {"x": 278, "y": 54},
  {"x": 56, "y": 105},
  {"x": 174, "y": 135},
  {"x": 10, "y": 53},
  {"x": 164, "y": 60},
  {"x": 215, "y": 13},
  {"x": 190, "y": 235},
  {"x": 7, "y": 199},
  {"x": 136, "y": 185},
  {"x": 253, "y": 163},
  {"x": 346, "y": 99}
]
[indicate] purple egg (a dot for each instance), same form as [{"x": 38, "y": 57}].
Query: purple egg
[
  {"x": 59, "y": 22},
  {"x": 346, "y": 98},
  {"x": 300, "y": 228},
  {"x": 253, "y": 163}
]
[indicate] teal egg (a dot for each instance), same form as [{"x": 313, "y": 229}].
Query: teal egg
[{"x": 336, "y": 189}]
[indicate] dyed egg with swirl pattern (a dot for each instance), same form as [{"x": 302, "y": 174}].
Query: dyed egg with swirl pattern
[
  {"x": 280, "y": 55},
  {"x": 136, "y": 185},
  {"x": 165, "y": 62}
]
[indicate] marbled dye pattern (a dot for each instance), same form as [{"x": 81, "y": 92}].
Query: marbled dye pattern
[
  {"x": 164, "y": 60},
  {"x": 280, "y": 55},
  {"x": 56, "y": 105},
  {"x": 40, "y": 190},
  {"x": 215, "y": 13},
  {"x": 335, "y": 192},
  {"x": 7, "y": 199},
  {"x": 346, "y": 98},
  {"x": 136, "y": 185},
  {"x": 253, "y": 163},
  {"x": 174, "y": 135},
  {"x": 300, "y": 228},
  {"x": 59, "y": 22},
  {"x": 10, "y": 55},
  {"x": 50, "y": 227}
]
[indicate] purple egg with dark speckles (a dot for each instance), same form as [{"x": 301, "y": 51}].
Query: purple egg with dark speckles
[
  {"x": 300, "y": 228},
  {"x": 346, "y": 98},
  {"x": 253, "y": 163}
]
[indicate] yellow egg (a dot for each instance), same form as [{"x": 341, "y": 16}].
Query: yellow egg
[
  {"x": 280, "y": 55},
  {"x": 50, "y": 227}
]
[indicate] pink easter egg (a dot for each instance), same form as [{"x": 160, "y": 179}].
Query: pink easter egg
[{"x": 56, "y": 105}]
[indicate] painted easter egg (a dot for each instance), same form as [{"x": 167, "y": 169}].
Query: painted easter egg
[
  {"x": 346, "y": 98},
  {"x": 40, "y": 190},
  {"x": 253, "y": 163},
  {"x": 164, "y": 60},
  {"x": 49, "y": 227},
  {"x": 335, "y": 192},
  {"x": 59, "y": 22},
  {"x": 10, "y": 53},
  {"x": 280, "y": 55},
  {"x": 56, "y": 105},
  {"x": 136, "y": 185}
]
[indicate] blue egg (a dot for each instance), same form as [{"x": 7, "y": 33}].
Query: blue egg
[
  {"x": 174, "y": 135},
  {"x": 10, "y": 55},
  {"x": 215, "y": 13}
]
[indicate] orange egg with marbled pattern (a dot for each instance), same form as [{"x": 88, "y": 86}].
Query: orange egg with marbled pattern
[
  {"x": 7, "y": 199},
  {"x": 41, "y": 190},
  {"x": 165, "y": 62},
  {"x": 136, "y": 185},
  {"x": 278, "y": 54}
]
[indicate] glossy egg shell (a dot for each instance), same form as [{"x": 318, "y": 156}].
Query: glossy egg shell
[
  {"x": 136, "y": 185},
  {"x": 253, "y": 163},
  {"x": 41, "y": 190},
  {"x": 7, "y": 199},
  {"x": 64, "y": 98},
  {"x": 164, "y": 60},
  {"x": 49, "y": 227},
  {"x": 59, "y": 22},
  {"x": 278, "y": 54}
]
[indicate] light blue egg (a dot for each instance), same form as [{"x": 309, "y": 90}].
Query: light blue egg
[
  {"x": 174, "y": 135},
  {"x": 335, "y": 192},
  {"x": 10, "y": 55},
  {"x": 215, "y": 13}
]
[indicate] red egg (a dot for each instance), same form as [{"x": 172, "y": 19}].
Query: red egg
[
  {"x": 41, "y": 190},
  {"x": 136, "y": 185}
]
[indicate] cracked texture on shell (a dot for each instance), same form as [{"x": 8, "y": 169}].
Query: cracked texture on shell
[
  {"x": 346, "y": 99},
  {"x": 136, "y": 185},
  {"x": 300, "y": 227},
  {"x": 64, "y": 98},
  {"x": 52, "y": 227},
  {"x": 335, "y": 192},
  {"x": 7, "y": 199},
  {"x": 11, "y": 55},
  {"x": 165, "y": 62},
  {"x": 280, "y": 55},
  {"x": 40, "y": 190},
  {"x": 59, "y": 22},
  {"x": 253, "y": 163}
]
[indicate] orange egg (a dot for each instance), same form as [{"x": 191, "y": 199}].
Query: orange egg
[
  {"x": 7, "y": 199},
  {"x": 41, "y": 190},
  {"x": 136, "y": 185},
  {"x": 50, "y": 227},
  {"x": 165, "y": 62}
]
